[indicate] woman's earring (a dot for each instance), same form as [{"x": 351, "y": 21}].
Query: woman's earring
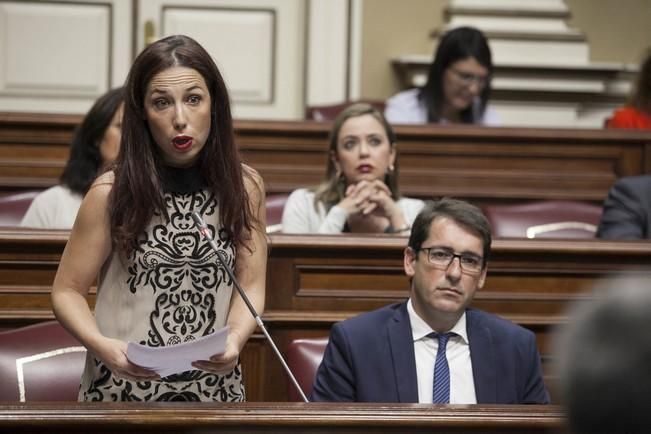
[{"x": 391, "y": 168}]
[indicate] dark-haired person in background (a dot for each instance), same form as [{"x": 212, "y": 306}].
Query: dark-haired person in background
[
  {"x": 433, "y": 348},
  {"x": 637, "y": 113},
  {"x": 95, "y": 145},
  {"x": 159, "y": 284},
  {"x": 457, "y": 88}
]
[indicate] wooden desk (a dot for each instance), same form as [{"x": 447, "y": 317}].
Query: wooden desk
[
  {"x": 478, "y": 163},
  {"x": 366, "y": 271},
  {"x": 269, "y": 418},
  {"x": 315, "y": 281},
  {"x": 28, "y": 264}
]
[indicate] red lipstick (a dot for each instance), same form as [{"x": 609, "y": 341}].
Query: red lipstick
[
  {"x": 182, "y": 143},
  {"x": 364, "y": 168}
]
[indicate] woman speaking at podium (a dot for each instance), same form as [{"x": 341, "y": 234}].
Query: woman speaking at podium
[{"x": 159, "y": 284}]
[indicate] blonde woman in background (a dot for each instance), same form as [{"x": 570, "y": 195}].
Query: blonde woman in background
[{"x": 360, "y": 192}]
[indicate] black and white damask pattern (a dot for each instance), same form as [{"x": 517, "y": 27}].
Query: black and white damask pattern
[{"x": 179, "y": 270}]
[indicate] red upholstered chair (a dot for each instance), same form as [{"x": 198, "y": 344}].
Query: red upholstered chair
[
  {"x": 329, "y": 112},
  {"x": 544, "y": 219},
  {"x": 275, "y": 204},
  {"x": 14, "y": 206},
  {"x": 303, "y": 358},
  {"x": 40, "y": 362}
]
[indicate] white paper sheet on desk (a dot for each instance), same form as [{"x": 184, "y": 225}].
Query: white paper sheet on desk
[{"x": 177, "y": 358}]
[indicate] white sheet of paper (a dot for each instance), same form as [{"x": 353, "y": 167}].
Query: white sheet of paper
[{"x": 177, "y": 358}]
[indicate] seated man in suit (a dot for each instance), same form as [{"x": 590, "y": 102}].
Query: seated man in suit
[
  {"x": 627, "y": 210},
  {"x": 433, "y": 348}
]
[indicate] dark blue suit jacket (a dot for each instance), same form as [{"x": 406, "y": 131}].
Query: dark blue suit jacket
[
  {"x": 627, "y": 210},
  {"x": 370, "y": 358}
]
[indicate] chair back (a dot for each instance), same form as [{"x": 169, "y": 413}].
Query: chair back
[
  {"x": 275, "y": 204},
  {"x": 40, "y": 362},
  {"x": 14, "y": 206},
  {"x": 329, "y": 112},
  {"x": 303, "y": 358},
  {"x": 544, "y": 219}
]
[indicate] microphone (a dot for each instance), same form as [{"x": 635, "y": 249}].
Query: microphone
[{"x": 205, "y": 233}]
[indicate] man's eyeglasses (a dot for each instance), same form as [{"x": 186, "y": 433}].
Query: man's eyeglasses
[
  {"x": 468, "y": 79},
  {"x": 441, "y": 259}
]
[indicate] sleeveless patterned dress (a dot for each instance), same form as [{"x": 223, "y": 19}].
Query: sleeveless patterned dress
[{"x": 170, "y": 291}]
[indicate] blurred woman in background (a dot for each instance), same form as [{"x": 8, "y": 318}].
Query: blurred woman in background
[
  {"x": 94, "y": 147},
  {"x": 457, "y": 88}
]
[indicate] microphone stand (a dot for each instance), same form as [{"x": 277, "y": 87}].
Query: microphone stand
[{"x": 205, "y": 233}]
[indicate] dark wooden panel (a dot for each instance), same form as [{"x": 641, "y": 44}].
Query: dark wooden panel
[
  {"x": 33, "y": 149},
  {"x": 536, "y": 277},
  {"x": 482, "y": 164},
  {"x": 272, "y": 418},
  {"x": 28, "y": 264}
]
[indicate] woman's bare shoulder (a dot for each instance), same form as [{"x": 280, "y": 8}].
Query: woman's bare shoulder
[
  {"x": 100, "y": 188},
  {"x": 252, "y": 180},
  {"x": 103, "y": 183}
]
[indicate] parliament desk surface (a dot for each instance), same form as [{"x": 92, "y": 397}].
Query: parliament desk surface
[{"x": 270, "y": 418}]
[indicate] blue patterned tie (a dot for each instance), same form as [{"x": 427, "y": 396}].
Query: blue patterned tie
[{"x": 441, "y": 371}]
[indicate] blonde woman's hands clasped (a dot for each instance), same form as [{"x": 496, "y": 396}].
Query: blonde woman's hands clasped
[{"x": 371, "y": 207}]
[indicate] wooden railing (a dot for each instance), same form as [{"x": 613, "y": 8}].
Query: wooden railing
[
  {"x": 478, "y": 163},
  {"x": 270, "y": 418},
  {"x": 315, "y": 281}
]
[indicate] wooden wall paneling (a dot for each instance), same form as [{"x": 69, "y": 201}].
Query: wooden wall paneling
[
  {"x": 287, "y": 154},
  {"x": 33, "y": 149},
  {"x": 256, "y": 367},
  {"x": 476, "y": 163},
  {"x": 348, "y": 273},
  {"x": 488, "y": 163},
  {"x": 28, "y": 263}
]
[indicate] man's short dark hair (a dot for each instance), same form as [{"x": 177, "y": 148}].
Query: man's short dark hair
[
  {"x": 605, "y": 360},
  {"x": 463, "y": 213}
]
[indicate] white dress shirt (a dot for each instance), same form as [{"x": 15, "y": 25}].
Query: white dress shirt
[{"x": 462, "y": 383}]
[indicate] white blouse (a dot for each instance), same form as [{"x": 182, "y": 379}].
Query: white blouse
[{"x": 301, "y": 217}]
